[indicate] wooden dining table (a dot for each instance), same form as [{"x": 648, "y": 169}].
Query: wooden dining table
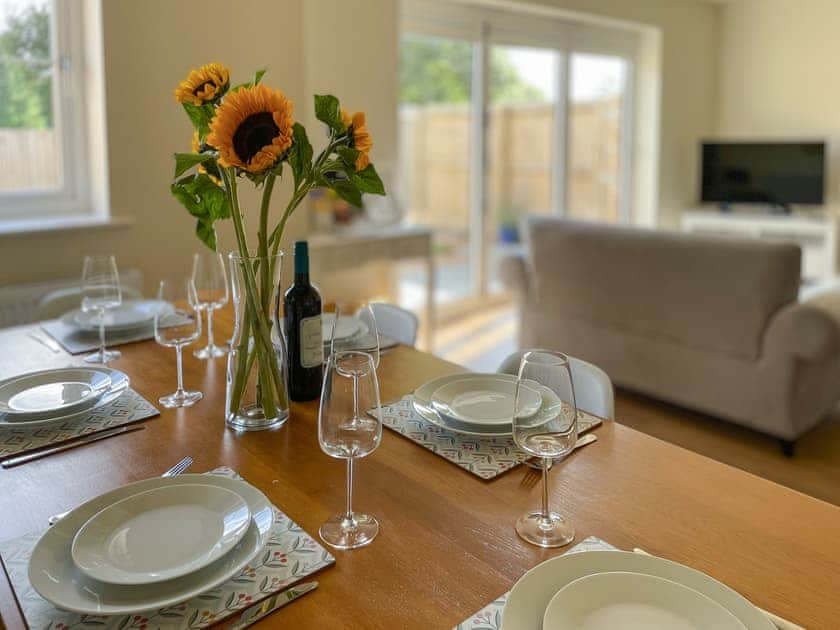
[{"x": 447, "y": 545}]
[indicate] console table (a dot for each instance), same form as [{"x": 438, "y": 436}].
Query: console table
[
  {"x": 332, "y": 251},
  {"x": 815, "y": 235}
]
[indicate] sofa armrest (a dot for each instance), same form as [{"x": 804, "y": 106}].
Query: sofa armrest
[
  {"x": 513, "y": 272},
  {"x": 809, "y": 329}
]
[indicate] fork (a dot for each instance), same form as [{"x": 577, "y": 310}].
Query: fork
[{"x": 177, "y": 469}]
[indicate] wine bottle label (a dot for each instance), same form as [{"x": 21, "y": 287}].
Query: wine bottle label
[{"x": 311, "y": 345}]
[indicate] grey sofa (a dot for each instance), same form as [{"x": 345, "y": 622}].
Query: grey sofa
[{"x": 712, "y": 324}]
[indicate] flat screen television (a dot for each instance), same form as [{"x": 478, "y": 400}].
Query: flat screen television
[{"x": 769, "y": 173}]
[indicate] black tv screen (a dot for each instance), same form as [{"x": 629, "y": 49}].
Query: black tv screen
[{"x": 773, "y": 173}]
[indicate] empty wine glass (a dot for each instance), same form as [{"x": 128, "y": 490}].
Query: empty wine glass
[
  {"x": 547, "y": 433},
  {"x": 100, "y": 292},
  {"x": 208, "y": 274},
  {"x": 346, "y": 431},
  {"x": 178, "y": 324},
  {"x": 356, "y": 332}
]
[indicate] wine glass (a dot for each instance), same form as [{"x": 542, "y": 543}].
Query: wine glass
[
  {"x": 366, "y": 339},
  {"x": 345, "y": 431},
  {"x": 178, "y": 324},
  {"x": 208, "y": 274},
  {"x": 100, "y": 292},
  {"x": 548, "y": 433}
]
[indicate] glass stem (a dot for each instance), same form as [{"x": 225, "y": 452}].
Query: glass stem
[
  {"x": 180, "y": 389},
  {"x": 545, "y": 469},
  {"x": 348, "y": 513},
  {"x": 355, "y": 398},
  {"x": 102, "y": 333},
  {"x": 210, "y": 328}
]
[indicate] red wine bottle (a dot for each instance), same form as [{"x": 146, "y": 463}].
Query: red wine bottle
[{"x": 302, "y": 318}]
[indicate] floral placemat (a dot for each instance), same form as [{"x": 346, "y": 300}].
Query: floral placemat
[
  {"x": 490, "y": 617},
  {"x": 128, "y": 408},
  {"x": 77, "y": 341},
  {"x": 290, "y": 556},
  {"x": 484, "y": 457}
]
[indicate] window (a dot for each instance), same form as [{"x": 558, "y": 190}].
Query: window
[
  {"x": 46, "y": 77},
  {"x": 505, "y": 114}
]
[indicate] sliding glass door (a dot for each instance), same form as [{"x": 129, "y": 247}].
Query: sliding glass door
[{"x": 495, "y": 125}]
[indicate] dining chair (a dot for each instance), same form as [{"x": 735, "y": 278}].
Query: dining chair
[
  {"x": 393, "y": 321},
  {"x": 58, "y": 302},
  {"x": 593, "y": 387}
]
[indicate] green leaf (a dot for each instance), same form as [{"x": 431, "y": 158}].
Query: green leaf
[
  {"x": 367, "y": 180},
  {"x": 328, "y": 111},
  {"x": 347, "y": 190},
  {"x": 348, "y": 155},
  {"x": 185, "y": 161},
  {"x": 201, "y": 116},
  {"x": 258, "y": 76},
  {"x": 206, "y": 233},
  {"x": 300, "y": 155}
]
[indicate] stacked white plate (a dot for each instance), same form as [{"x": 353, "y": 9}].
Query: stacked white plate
[
  {"x": 58, "y": 395},
  {"x": 604, "y": 590},
  {"x": 478, "y": 404},
  {"x": 128, "y": 317},
  {"x": 151, "y": 544},
  {"x": 350, "y": 332}
]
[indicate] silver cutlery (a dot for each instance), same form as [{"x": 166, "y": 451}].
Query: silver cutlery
[
  {"x": 177, "y": 469},
  {"x": 536, "y": 462},
  {"x": 45, "y": 341},
  {"x": 66, "y": 446},
  {"x": 258, "y": 611},
  {"x": 781, "y": 624}
]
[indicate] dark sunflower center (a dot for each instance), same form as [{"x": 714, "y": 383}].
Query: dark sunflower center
[
  {"x": 201, "y": 86},
  {"x": 255, "y": 132}
]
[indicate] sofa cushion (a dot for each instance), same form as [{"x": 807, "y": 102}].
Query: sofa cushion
[{"x": 716, "y": 294}]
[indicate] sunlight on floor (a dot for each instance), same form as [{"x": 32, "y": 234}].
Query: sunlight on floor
[{"x": 478, "y": 341}]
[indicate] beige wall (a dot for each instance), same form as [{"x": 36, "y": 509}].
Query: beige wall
[{"x": 778, "y": 74}]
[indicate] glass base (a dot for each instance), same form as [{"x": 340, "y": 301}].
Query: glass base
[
  {"x": 100, "y": 357},
  {"x": 555, "y": 531},
  {"x": 180, "y": 399},
  {"x": 343, "y": 533},
  {"x": 252, "y": 418},
  {"x": 210, "y": 352}
]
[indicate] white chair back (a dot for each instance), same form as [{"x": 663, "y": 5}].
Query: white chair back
[
  {"x": 593, "y": 388},
  {"x": 394, "y": 322},
  {"x": 56, "y": 303}
]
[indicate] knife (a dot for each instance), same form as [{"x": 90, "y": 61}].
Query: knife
[
  {"x": 256, "y": 612},
  {"x": 66, "y": 446}
]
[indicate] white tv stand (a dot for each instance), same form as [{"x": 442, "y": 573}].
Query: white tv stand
[{"x": 815, "y": 234}]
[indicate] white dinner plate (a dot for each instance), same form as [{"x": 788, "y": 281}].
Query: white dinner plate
[
  {"x": 345, "y": 327},
  {"x": 634, "y": 601},
  {"x": 422, "y": 402},
  {"x": 119, "y": 383},
  {"x": 129, "y": 315},
  {"x": 56, "y": 578},
  {"x": 123, "y": 544},
  {"x": 484, "y": 400},
  {"x": 530, "y": 596},
  {"x": 52, "y": 392}
]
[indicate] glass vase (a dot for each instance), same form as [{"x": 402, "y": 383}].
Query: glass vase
[{"x": 257, "y": 387}]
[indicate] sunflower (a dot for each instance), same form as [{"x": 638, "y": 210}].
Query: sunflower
[
  {"x": 252, "y": 128},
  {"x": 196, "y": 148},
  {"x": 361, "y": 139},
  {"x": 203, "y": 85}
]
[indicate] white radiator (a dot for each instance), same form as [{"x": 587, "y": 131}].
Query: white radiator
[{"x": 19, "y": 302}]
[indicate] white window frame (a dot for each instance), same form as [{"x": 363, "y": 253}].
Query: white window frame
[
  {"x": 75, "y": 30},
  {"x": 485, "y": 26}
]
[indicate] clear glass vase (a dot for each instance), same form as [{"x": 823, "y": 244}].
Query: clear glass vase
[{"x": 257, "y": 386}]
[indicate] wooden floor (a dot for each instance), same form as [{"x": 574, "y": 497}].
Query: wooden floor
[{"x": 481, "y": 341}]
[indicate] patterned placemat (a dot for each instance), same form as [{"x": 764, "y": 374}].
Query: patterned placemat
[
  {"x": 77, "y": 341},
  {"x": 490, "y": 617},
  {"x": 128, "y": 408},
  {"x": 485, "y": 457},
  {"x": 290, "y": 556}
]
